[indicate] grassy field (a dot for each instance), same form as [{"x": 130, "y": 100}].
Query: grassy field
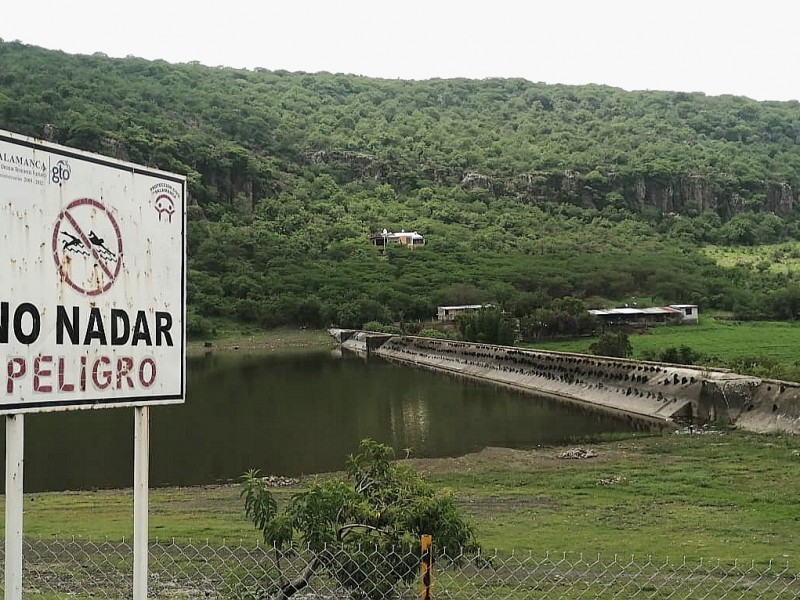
[
  {"x": 699, "y": 496},
  {"x": 283, "y": 339},
  {"x": 721, "y": 341},
  {"x": 723, "y": 495},
  {"x": 776, "y": 258}
]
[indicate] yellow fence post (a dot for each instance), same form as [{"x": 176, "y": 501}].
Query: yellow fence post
[{"x": 426, "y": 567}]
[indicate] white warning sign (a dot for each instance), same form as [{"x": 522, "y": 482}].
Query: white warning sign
[{"x": 92, "y": 306}]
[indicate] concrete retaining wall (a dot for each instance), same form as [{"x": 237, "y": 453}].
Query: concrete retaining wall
[
  {"x": 360, "y": 341},
  {"x": 659, "y": 391}
]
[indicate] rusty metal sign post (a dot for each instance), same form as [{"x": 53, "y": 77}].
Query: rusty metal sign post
[
  {"x": 426, "y": 566},
  {"x": 92, "y": 309}
]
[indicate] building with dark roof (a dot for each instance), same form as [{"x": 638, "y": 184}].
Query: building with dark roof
[{"x": 673, "y": 314}]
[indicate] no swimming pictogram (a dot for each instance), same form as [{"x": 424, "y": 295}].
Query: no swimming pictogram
[{"x": 87, "y": 247}]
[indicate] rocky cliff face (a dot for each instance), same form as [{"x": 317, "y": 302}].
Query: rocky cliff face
[{"x": 677, "y": 193}]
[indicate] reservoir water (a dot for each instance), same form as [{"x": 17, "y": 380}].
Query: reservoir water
[{"x": 293, "y": 414}]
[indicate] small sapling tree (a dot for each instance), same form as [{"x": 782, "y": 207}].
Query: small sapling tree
[{"x": 362, "y": 530}]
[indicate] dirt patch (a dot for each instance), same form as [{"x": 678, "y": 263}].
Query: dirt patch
[
  {"x": 494, "y": 506},
  {"x": 509, "y": 458}
]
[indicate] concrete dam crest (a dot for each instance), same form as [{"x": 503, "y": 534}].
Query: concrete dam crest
[{"x": 666, "y": 393}]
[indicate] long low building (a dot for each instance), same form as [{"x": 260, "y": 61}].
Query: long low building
[
  {"x": 657, "y": 315},
  {"x": 450, "y": 313},
  {"x": 409, "y": 239}
]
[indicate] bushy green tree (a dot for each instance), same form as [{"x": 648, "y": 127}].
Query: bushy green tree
[
  {"x": 429, "y": 332},
  {"x": 379, "y": 327},
  {"x": 785, "y": 303},
  {"x": 612, "y": 344},
  {"x": 563, "y": 317},
  {"x": 365, "y": 530},
  {"x": 679, "y": 355},
  {"x": 487, "y": 326}
]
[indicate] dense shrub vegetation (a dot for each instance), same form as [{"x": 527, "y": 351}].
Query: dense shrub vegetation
[
  {"x": 526, "y": 193},
  {"x": 364, "y": 531}
]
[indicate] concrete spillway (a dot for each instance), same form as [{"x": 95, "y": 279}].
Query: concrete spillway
[{"x": 660, "y": 391}]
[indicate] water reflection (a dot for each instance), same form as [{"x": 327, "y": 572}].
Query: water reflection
[
  {"x": 294, "y": 414},
  {"x": 410, "y": 422}
]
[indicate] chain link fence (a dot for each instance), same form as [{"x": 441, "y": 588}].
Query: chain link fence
[{"x": 79, "y": 568}]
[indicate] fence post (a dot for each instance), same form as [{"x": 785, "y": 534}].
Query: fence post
[{"x": 426, "y": 566}]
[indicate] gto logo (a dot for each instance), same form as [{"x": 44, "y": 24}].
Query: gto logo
[{"x": 60, "y": 172}]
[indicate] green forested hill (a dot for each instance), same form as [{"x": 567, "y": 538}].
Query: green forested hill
[{"x": 525, "y": 192}]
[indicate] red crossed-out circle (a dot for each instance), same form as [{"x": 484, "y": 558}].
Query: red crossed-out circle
[{"x": 111, "y": 271}]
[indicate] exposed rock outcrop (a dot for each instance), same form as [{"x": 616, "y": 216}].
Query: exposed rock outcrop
[
  {"x": 672, "y": 193},
  {"x": 360, "y": 164}
]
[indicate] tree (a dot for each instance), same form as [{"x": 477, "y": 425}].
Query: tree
[
  {"x": 560, "y": 200},
  {"x": 363, "y": 531},
  {"x": 785, "y": 303},
  {"x": 487, "y": 326},
  {"x": 461, "y": 293},
  {"x": 679, "y": 355},
  {"x": 612, "y": 344}
]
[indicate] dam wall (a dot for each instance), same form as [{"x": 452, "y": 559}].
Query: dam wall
[
  {"x": 657, "y": 391},
  {"x": 362, "y": 342}
]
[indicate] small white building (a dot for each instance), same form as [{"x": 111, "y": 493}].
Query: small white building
[
  {"x": 449, "y": 313},
  {"x": 689, "y": 312},
  {"x": 410, "y": 239}
]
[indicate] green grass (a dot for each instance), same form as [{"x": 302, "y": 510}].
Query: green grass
[
  {"x": 211, "y": 513},
  {"x": 730, "y": 495},
  {"x": 283, "y": 339},
  {"x": 775, "y": 258},
  {"x": 725, "y": 341}
]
